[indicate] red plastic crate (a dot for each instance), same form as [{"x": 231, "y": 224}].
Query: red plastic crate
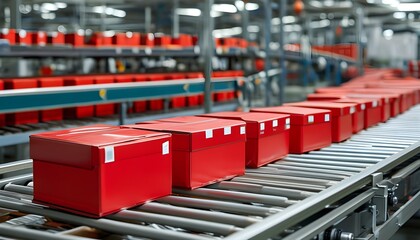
[
  {"x": 8, "y": 34},
  {"x": 99, "y": 170},
  {"x": 132, "y": 39},
  {"x": 147, "y": 40},
  {"x": 119, "y": 39},
  {"x": 140, "y": 106},
  {"x": 53, "y": 114},
  {"x": 38, "y": 38},
  {"x": 342, "y": 126},
  {"x": 155, "y": 105},
  {"x": 21, "y": 117},
  {"x": 100, "y": 39},
  {"x": 2, "y": 116},
  {"x": 75, "y": 39},
  {"x": 108, "y": 108},
  {"x": 194, "y": 100},
  {"x": 200, "y": 147},
  {"x": 78, "y": 112},
  {"x": 163, "y": 40},
  {"x": 23, "y": 38},
  {"x": 183, "y": 40},
  {"x": 267, "y": 135},
  {"x": 358, "y": 117},
  {"x": 55, "y": 38},
  {"x": 306, "y": 124}
]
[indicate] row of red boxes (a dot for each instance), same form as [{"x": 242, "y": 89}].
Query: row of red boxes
[
  {"x": 346, "y": 50},
  {"x": 105, "y": 109},
  {"x": 124, "y": 39}
]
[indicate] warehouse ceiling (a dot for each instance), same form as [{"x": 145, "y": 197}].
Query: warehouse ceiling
[{"x": 132, "y": 15}]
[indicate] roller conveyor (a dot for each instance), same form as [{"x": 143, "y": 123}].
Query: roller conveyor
[{"x": 299, "y": 197}]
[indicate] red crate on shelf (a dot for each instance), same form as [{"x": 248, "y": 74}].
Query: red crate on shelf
[
  {"x": 119, "y": 39},
  {"x": 38, "y": 38},
  {"x": 55, "y": 38},
  {"x": 183, "y": 40},
  {"x": 342, "y": 126},
  {"x": 194, "y": 100},
  {"x": 177, "y": 102},
  {"x": 123, "y": 78},
  {"x": 107, "y": 108},
  {"x": 163, "y": 40},
  {"x": 83, "y": 111},
  {"x": 53, "y": 114},
  {"x": 132, "y": 39},
  {"x": 267, "y": 135},
  {"x": 2, "y": 116},
  {"x": 23, "y": 37},
  {"x": 21, "y": 117},
  {"x": 200, "y": 147},
  {"x": 158, "y": 104},
  {"x": 310, "y": 128},
  {"x": 147, "y": 40},
  {"x": 99, "y": 170},
  {"x": 140, "y": 106},
  {"x": 100, "y": 39},
  {"x": 76, "y": 39},
  {"x": 8, "y": 34}
]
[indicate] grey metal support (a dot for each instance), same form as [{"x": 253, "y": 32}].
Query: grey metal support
[
  {"x": 103, "y": 17},
  {"x": 15, "y": 16},
  {"x": 175, "y": 19},
  {"x": 82, "y": 14},
  {"x": 123, "y": 113},
  {"x": 267, "y": 41},
  {"x": 245, "y": 63},
  {"x": 207, "y": 50},
  {"x": 148, "y": 19},
  {"x": 283, "y": 75},
  {"x": 359, "y": 34}
]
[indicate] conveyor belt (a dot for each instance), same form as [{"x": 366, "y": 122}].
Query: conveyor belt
[{"x": 258, "y": 205}]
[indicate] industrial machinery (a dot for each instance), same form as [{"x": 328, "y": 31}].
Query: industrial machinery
[{"x": 363, "y": 188}]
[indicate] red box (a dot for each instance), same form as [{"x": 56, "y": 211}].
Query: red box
[
  {"x": 183, "y": 40},
  {"x": 342, "y": 126},
  {"x": 119, "y": 39},
  {"x": 140, "y": 106},
  {"x": 75, "y": 39},
  {"x": 78, "y": 112},
  {"x": 55, "y": 38},
  {"x": 147, "y": 39},
  {"x": 8, "y": 34},
  {"x": 21, "y": 117},
  {"x": 389, "y": 103},
  {"x": 194, "y": 100},
  {"x": 306, "y": 124},
  {"x": 358, "y": 117},
  {"x": 267, "y": 135},
  {"x": 38, "y": 38},
  {"x": 2, "y": 117},
  {"x": 177, "y": 102},
  {"x": 23, "y": 38},
  {"x": 132, "y": 39},
  {"x": 156, "y": 105},
  {"x": 99, "y": 39},
  {"x": 163, "y": 40},
  {"x": 53, "y": 114},
  {"x": 200, "y": 147},
  {"x": 108, "y": 108},
  {"x": 98, "y": 170}
]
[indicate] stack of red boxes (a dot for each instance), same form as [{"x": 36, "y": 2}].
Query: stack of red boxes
[
  {"x": 227, "y": 95},
  {"x": 108, "y": 108},
  {"x": 342, "y": 125},
  {"x": 199, "y": 149},
  {"x": 78, "y": 112},
  {"x": 100, "y": 169},
  {"x": 21, "y": 117},
  {"x": 53, "y": 114},
  {"x": 267, "y": 135},
  {"x": 9, "y": 35},
  {"x": 306, "y": 124}
]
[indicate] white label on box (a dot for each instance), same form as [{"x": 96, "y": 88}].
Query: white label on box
[
  {"x": 165, "y": 148},
  {"x": 352, "y": 110},
  {"x": 375, "y": 104},
  {"x": 209, "y": 133},
  {"x": 109, "y": 154},
  {"x": 287, "y": 120},
  {"x": 287, "y": 126},
  {"x": 363, "y": 106},
  {"x": 242, "y": 130},
  {"x": 275, "y": 123},
  {"x": 262, "y": 126},
  {"x": 310, "y": 119},
  {"x": 327, "y": 117},
  {"x": 227, "y": 130}
]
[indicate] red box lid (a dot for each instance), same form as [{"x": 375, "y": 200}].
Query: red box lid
[
  {"x": 325, "y": 96},
  {"x": 299, "y": 115},
  {"x": 257, "y": 124},
  {"x": 74, "y": 146},
  {"x": 50, "y": 82},
  {"x": 363, "y": 102},
  {"x": 337, "y": 109},
  {"x": 124, "y": 78},
  {"x": 20, "y": 83},
  {"x": 333, "y": 89},
  {"x": 101, "y": 79},
  {"x": 194, "y": 135},
  {"x": 78, "y": 80}
]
